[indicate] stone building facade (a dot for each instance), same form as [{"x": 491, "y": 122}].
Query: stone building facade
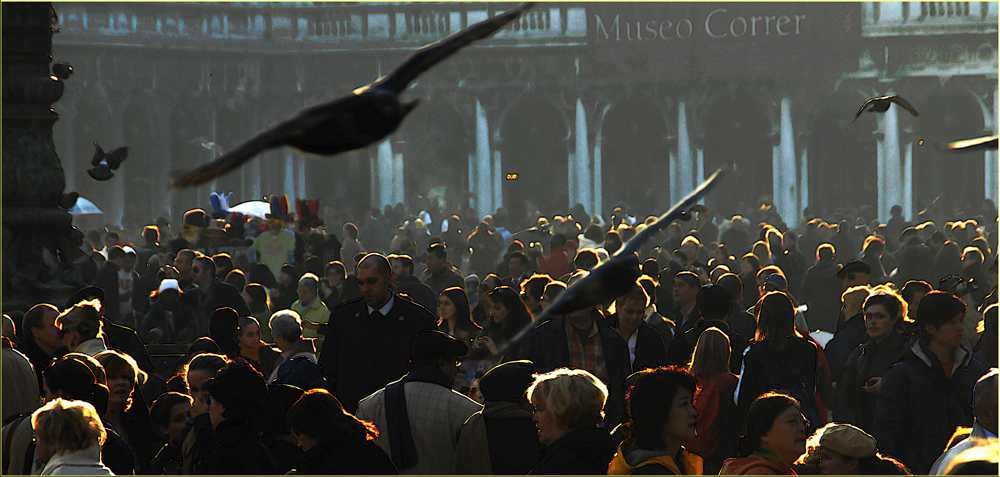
[{"x": 593, "y": 103}]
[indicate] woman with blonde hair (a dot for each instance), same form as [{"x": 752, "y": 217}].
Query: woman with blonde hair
[
  {"x": 123, "y": 377},
  {"x": 717, "y": 434},
  {"x": 68, "y": 438},
  {"x": 80, "y": 328},
  {"x": 569, "y": 403}
]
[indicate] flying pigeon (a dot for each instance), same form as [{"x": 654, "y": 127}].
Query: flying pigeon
[
  {"x": 365, "y": 116},
  {"x": 103, "y": 163},
  {"x": 881, "y": 105}
]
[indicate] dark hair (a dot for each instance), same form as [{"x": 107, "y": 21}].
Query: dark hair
[
  {"x": 649, "y": 286},
  {"x": 714, "y": 302},
  {"x": 754, "y": 261},
  {"x": 236, "y": 278},
  {"x": 319, "y": 415},
  {"x": 892, "y": 303},
  {"x": 378, "y": 261},
  {"x": 438, "y": 250},
  {"x": 651, "y": 268},
  {"x": 520, "y": 256},
  {"x": 535, "y": 286},
  {"x": 518, "y": 315},
  {"x": 337, "y": 266},
  {"x": 74, "y": 377},
  {"x": 585, "y": 259},
  {"x": 913, "y": 287},
  {"x": 760, "y": 419},
  {"x": 222, "y": 260},
  {"x": 826, "y": 252},
  {"x": 258, "y": 298},
  {"x": 938, "y": 307},
  {"x": 33, "y": 319},
  {"x": 463, "y": 312},
  {"x": 260, "y": 273},
  {"x": 649, "y": 400},
  {"x": 223, "y": 327},
  {"x": 612, "y": 237},
  {"x": 242, "y": 391},
  {"x": 351, "y": 229},
  {"x": 116, "y": 252},
  {"x": 314, "y": 265},
  {"x": 689, "y": 278},
  {"x": 775, "y": 316},
  {"x": 558, "y": 240},
  {"x": 159, "y": 412},
  {"x": 151, "y": 233},
  {"x": 732, "y": 283},
  {"x": 201, "y": 345},
  {"x": 206, "y": 262},
  {"x": 406, "y": 260}
]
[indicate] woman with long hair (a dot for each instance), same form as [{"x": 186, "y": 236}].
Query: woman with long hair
[
  {"x": 334, "y": 440},
  {"x": 778, "y": 358},
  {"x": 716, "y": 439},
  {"x": 507, "y": 318},
  {"x": 455, "y": 317},
  {"x": 124, "y": 376}
]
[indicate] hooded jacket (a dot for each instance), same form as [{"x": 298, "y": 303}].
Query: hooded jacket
[
  {"x": 919, "y": 406},
  {"x": 630, "y": 459}
]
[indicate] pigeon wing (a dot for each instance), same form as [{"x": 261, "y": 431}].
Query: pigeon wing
[
  {"x": 904, "y": 104},
  {"x": 430, "y": 55},
  {"x": 100, "y": 172},
  {"x": 276, "y": 136},
  {"x": 675, "y": 212},
  {"x": 116, "y": 157},
  {"x": 98, "y": 155},
  {"x": 977, "y": 144},
  {"x": 863, "y": 106}
]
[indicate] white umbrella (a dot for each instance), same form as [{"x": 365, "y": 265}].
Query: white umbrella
[
  {"x": 84, "y": 207},
  {"x": 253, "y": 208}
]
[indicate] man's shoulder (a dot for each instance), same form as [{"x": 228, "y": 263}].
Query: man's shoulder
[{"x": 349, "y": 306}]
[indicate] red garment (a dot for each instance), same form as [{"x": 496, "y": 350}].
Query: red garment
[
  {"x": 709, "y": 404},
  {"x": 556, "y": 264}
]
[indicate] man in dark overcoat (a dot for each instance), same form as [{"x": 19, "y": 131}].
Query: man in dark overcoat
[{"x": 367, "y": 341}]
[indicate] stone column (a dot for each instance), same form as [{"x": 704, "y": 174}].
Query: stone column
[
  {"x": 890, "y": 187},
  {"x": 803, "y": 148},
  {"x": 785, "y": 172},
  {"x": 40, "y": 244},
  {"x": 481, "y": 181},
  {"x": 583, "y": 179},
  {"x": 383, "y": 172},
  {"x": 685, "y": 168}
]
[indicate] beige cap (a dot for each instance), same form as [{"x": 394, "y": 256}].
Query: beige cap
[{"x": 847, "y": 440}]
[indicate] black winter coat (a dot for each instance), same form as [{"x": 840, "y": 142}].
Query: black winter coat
[
  {"x": 848, "y": 337},
  {"x": 821, "y": 289},
  {"x": 865, "y": 362},
  {"x": 361, "y": 355},
  {"x": 354, "y": 458},
  {"x": 797, "y": 359},
  {"x": 236, "y": 450},
  {"x": 650, "y": 351},
  {"x": 919, "y": 406},
  {"x": 585, "y": 451}
]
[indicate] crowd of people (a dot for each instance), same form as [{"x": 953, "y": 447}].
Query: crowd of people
[{"x": 406, "y": 345}]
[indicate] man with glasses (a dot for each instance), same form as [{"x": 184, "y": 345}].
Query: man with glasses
[
  {"x": 419, "y": 416},
  {"x": 210, "y": 294}
]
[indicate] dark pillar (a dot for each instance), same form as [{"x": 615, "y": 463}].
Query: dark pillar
[{"x": 39, "y": 241}]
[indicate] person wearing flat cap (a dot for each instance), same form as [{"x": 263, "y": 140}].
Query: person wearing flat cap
[
  {"x": 855, "y": 273},
  {"x": 419, "y": 416},
  {"x": 842, "y": 449},
  {"x": 501, "y": 439}
]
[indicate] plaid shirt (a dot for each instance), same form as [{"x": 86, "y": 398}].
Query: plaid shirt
[{"x": 588, "y": 355}]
